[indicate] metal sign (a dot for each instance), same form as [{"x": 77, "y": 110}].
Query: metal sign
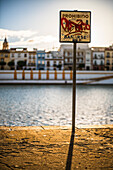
[{"x": 75, "y": 26}]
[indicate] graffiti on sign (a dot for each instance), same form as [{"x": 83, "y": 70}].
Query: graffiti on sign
[{"x": 75, "y": 26}]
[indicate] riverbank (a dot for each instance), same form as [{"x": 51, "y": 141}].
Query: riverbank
[
  {"x": 56, "y": 82},
  {"x": 53, "y": 147},
  {"x": 55, "y": 77}
]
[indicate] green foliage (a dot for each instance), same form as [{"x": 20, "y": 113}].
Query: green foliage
[
  {"x": 81, "y": 65},
  {"x": 2, "y": 63},
  {"x": 11, "y": 63},
  {"x": 21, "y": 63}
]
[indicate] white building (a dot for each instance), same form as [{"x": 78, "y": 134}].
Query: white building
[
  {"x": 53, "y": 61},
  {"x": 98, "y": 59},
  {"x": 23, "y": 59},
  {"x": 83, "y": 56},
  {"x": 19, "y": 54},
  {"x": 88, "y": 60}
]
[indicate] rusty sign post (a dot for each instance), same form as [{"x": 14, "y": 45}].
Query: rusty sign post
[
  {"x": 75, "y": 27},
  {"x": 74, "y": 90}
]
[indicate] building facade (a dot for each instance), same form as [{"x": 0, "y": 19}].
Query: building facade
[
  {"x": 88, "y": 59},
  {"x": 4, "y": 59},
  {"x": 98, "y": 60},
  {"x": 40, "y": 60},
  {"x": 53, "y": 61},
  {"x": 5, "y": 56},
  {"x": 95, "y": 58},
  {"x": 31, "y": 60},
  {"x": 109, "y": 58},
  {"x": 80, "y": 59},
  {"x": 5, "y": 44},
  {"x": 19, "y": 56}
]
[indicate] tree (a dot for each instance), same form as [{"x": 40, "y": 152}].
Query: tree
[
  {"x": 81, "y": 65},
  {"x": 11, "y": 64},
  {"x": 2, "y": 63},
  {"x": 21, "y": 64}
]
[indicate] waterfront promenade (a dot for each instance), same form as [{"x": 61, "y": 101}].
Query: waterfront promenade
[
  {"x": 55, "y": 77},
  {"x": 54, "y": 147}
]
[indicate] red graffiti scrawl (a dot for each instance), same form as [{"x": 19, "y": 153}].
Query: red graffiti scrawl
[{"x": 71, "y": 27}]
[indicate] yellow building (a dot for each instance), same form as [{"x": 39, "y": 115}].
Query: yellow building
[
  {"x": 4, "y": 56},
  {"x": 109, "y": 59}
]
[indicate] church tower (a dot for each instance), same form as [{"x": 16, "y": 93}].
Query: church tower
[{"x": 5, "y": 44}]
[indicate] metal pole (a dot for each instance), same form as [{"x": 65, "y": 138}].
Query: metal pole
[{"x": 74, "y": 89}]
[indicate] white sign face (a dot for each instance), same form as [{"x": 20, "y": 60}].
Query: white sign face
[{"x": 75, "y": 26}]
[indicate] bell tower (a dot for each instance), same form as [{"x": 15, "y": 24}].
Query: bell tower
[{"x": 5, "y": 44}]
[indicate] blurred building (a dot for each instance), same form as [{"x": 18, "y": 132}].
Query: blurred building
[
  {"x": 88, "y": 59},
  {"x": 5, "y": 44},
  {"x": 94, "y": 58},
  {"x": 31, "y": 60},
  {"x": 19, "y": 56},
  {"x": 98, "y": 58},
  {"x": 23, "y": 59},
  {"x": 83, "y": 56},
  {"x": 54, "y": 61},
  {"x": 40, "y": 60},
  {"x": 5, "y": 56},
  {"x": 109, "y": 58}
]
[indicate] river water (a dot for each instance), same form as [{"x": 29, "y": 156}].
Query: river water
[{"x": 33, "y": 105}]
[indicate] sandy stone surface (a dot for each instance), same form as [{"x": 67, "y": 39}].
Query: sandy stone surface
[{"x": 54, "y": 147}]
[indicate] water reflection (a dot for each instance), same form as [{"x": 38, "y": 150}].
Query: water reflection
[{"x": 52, "y": 105}]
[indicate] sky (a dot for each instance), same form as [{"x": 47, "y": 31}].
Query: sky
[{"x": 35, "y": 23}]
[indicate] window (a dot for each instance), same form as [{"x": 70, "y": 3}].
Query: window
[
  {"x": 48, "y": 63},
  {"x": 102, "y": 56},
  {"x": 66, "y": 54},
  {"x": 95, "y": 56},
  {"x": 54, "y": 63},
  {"x": 19, "y": 55},
  {"x": 95, "y": 63},
  {"x": 2, "y": 59},
  {"x": 38, "y": 55},
  {"x": 101, "y": 63},
  {"x": 38, "y": 62},
  {"x": 12, "y": 55},
  {"x": 6, "y": 55},
  {"x": 42, "y": 62},
  {"x": 66, "y": 60},
  {"x": 25, "y": 55},
  {"x": 108, "y": 55},
  {"x": 107, "y": 62}
]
